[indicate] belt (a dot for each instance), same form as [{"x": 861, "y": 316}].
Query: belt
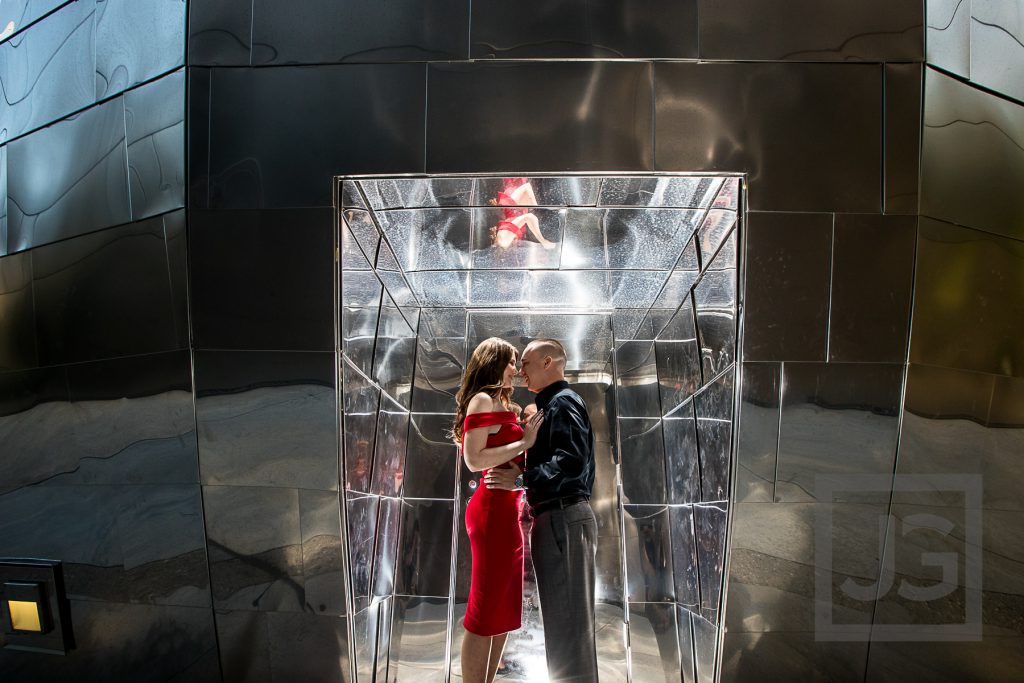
[{"x": 556, "y": 504}]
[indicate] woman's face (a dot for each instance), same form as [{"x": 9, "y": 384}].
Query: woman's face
[{"x": 510, "y": 372}]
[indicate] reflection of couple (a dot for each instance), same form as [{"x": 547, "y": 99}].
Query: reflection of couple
[
  {"x": 517, "y": 192},
  {"x": 550, "y": 456}
]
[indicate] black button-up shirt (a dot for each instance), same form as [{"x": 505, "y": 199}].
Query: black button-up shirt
[{"x": 561, "y": 462}]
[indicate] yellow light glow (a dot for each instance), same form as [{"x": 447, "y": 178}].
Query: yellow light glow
[{"x": 24, "y": 615}]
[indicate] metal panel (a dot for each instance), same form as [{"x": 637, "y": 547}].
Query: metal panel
[
  {"x": 611, "y": 128},
  {"x": 136, "y": 41},
  {"x": 425, "y": 548},
  {"x": 255, "y": 548},
  {"x": 949, "y": 35},
  {"x": 267, "y": 418},
  {"x": 365, "y": 626},
  {"x": 705, "y": 646},
  {"x": 684, "y": 559},
  {"x": 997, "y": 46},
  {"x": 155, "y": 125},
  {"x": 391, "y": 447},
  {"x": 386, "y": 552},
  {"x": 360, "y": 400},
  {"x": 903, "y": 84},
  {"x": 757, "y": 448},
  {"x": 394, "y": 353},
  {"x": 68, "y": 179},
  {"x": 713, "y": 408},
  {"x": 431, "y": 461},
  {"x": 322, "y": 570},
  {"x": 418, "y": 636},
  {"x": 971, "y": 164},
  {"x": 709, "y": 522},
  {"x": 810, "y": 112},
  {"x": 872, "y": 276},
  {"x": 715, "y": 297},
  {"x": 219, "y": 33},
  {"x": 362, "y": 515},
  {"x": 787, "y": 286},
  {"x": 327, "y": 31},
  {"x": 969, "y": 330},
  {"x": 642, "y": 461},
  {"x": 636, "y": 380},
  {"x": 681, "y": 456},
  {"x": 686, "y": 654},
  {"x": 48, "y": 71},
  {"x": 648, "y": 553},
  {"x": 837, "y": 418},
  {"x": 18, "y": 333},
  {"x": 574, "y": 28},
  {"x": 654, "y": 650},
  {"x": 284, "y": 156}
]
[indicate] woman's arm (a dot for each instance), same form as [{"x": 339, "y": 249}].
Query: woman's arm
[
  {"x": 474, "y": 445},
  {"x": 524, "y": 196}
]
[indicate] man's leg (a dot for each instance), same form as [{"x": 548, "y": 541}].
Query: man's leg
[{"x": 564, "y": 545}]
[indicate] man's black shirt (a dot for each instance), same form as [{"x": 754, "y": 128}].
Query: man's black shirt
[{"x": 561, "y": 462}]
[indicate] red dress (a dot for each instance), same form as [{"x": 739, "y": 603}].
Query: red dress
[
  {"x": 505, "y": 200},
  {"x": 492, "y": 520}
]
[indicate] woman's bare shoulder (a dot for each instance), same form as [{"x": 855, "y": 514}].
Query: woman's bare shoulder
[{"x": 481, "y": 403}]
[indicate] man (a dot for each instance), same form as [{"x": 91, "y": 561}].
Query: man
[{"x": 558, "y": 480}]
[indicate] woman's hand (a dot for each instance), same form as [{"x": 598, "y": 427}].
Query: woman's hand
[
  {"x": 530, "y": 429},
  {"x": 503, "y": 477}
]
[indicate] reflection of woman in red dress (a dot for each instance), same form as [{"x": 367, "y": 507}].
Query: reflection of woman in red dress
[
  {"x": 517, "y": 192},
  {"x": 487, "y": 426}
]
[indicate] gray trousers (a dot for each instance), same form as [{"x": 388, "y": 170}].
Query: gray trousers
[{"x": 564, "y": 548}]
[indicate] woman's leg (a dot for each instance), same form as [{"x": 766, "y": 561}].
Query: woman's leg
[
  {"x": 497, "y": 647},
  {"x": 476, "y": 652},
  {"x": 534, "y": 225},
  {"x": 524, "y": 196}
]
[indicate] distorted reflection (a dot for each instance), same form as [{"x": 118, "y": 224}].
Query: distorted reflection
[{"x": 637, "y": 278}]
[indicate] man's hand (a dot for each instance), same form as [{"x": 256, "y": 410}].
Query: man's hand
[{"x": 503, "y": 478}]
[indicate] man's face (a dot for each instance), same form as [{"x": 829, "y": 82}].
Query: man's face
[{"x": 532, "y": 370}]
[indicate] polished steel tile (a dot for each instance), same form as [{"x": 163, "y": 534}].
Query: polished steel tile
[
  {"x": 572, "y": 28},
  {"x": 365, "y": 628},
  {"x": 359, "y": 240},
  {"x": 686, "y": 654},
  {"x": 837, "y": 418},
  {"x": 285, "y": 156},
  {"x": 787, "y": 288},
  {"x": 21, "y": 13},
  {"x": 47, "y": 71},
  {"x": 136, "y": 41},
  {"x": 681, "y": 456},
  {"x": 746, "y": 656},
  {"x": 665, "y": 192},
  {"x": 610, "y": 128},
  {"x": 3, "y": 201},
  {"x": 709, "y": 522},
  {"x": 714, "y": 229},
  {"x": 419, "y": 631},
  {"x": 642, "y": 461},
  {"x": 684, "y": 558},
  {"x": 903, "y": 84},
  {"x": 636, "y": 382},
  {"x": 714, "y": 410},
  {"x": 968, "y": 331},
  {"x": 308, "y": 647},
  {"x": 219, "y": 34},
  {"x": 439, "y": 364},
  {"x": 362, "y": 515},
  {"x": 392, "y": 443},
  {"x": 715, "y": 297},
  {"x": 83, "y": 309},
  {"x": 430, "y": 463},
  {"x": 18, "y": 333},
  {"x": 68, "y": 179},
  {"x": 176, "y": 240},
  {"x": 809, "y": 111},
  {"x": 327, "y": 31},
  {"x": 33, "y": 409},
  {"x": 267, "y": 418},
  {"x": 705, "y": 645},
  {"x": 971, "y": 165},
  {"x": 394, "y": 354},
  {"x": 361, "y": 293},
  {"x": 997, "y": 47},
  {"x": 653, "y": 642},
  {"x": 648, "y": 553},
  {"x": 411, "y": 193},
  {"x": 155, "y": 125},
  {"x": 757, "y": 29},
  {"x": 949, "y": 35},
  {"x": 262, "y": 279},
  {"x": 444, "y": 288},
  {"x": 255, "y": 548},
  {"x": 628, "y": 239},
  {"x": 552, "y": 191},
  {"x": 526, "y": 253},
  {"x": 384, "y": 637},
  {"x": 198, "y": 135},
  {"x": 428, "y": 239},
  {"x": 244, "y": 645},
  {"x": 758, "y": 439},
  {"x": 322, "y": 570},
  {"x": 872, "y": 277},
  {"x": 386, "y": 551},
  {"x": 424, "y": 548},
  {"x": 360, "y": 401}
]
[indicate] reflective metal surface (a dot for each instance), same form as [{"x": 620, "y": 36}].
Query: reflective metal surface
[
  {"x": 981, "y": 134},
  {"x": 806, "y": 31},
  {"x": 618, "y": 286},
  {"x": 997, "y": 46},
  {"x": 758, "y": 437},
  {"x": 155, "y": 126},
  {"x": 136, "y": 41},
  {"x": 84, "y": 162},
  {"x": 903, "y": 84},
  {"x": 18, "y": 335},
  {"x": 949, "y": 35}
]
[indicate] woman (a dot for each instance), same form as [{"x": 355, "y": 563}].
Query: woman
[
  {"x": 487, "y": 426},
  {"x": 517, "y": 192}
]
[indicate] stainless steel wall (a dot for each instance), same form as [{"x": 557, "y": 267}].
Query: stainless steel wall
[{"x": 640, "y": 284}]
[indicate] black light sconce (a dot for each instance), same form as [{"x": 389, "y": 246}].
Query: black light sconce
[{"x": 34, "y": 612}]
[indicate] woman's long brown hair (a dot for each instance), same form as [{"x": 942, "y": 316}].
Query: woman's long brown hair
[{"x": 485, "y": 372}]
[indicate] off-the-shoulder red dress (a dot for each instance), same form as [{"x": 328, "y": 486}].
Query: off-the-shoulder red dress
[
  {"x": 505, "y": 201},
  {"x": 492, "y": 520}
]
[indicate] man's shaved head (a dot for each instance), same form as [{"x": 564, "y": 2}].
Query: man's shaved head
[
  {"x": 543, "y": 362},
  {"x": 548, "y": 347}
]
